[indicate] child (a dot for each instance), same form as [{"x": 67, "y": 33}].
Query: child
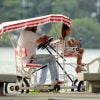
[{"x": 70, "y": 42}]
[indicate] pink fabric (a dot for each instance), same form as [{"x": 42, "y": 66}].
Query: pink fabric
[
  {"x": 15, "y": 25},
  {"x": 30, "y": 65},
  {"x": 21, "y": 52}
]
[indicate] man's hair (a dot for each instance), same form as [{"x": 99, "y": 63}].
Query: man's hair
[{"x": 33, "y": 29}]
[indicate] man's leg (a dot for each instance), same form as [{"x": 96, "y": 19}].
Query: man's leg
[
  {"x": 47, "y": 59},
  {"x": 43, "y": 75},
  {"x": 53, "y": 69}
]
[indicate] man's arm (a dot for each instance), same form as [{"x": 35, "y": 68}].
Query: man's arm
[{"x": 42, "y": 39}]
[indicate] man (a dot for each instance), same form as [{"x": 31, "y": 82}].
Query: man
[
  {"x": 30, "y": 39},
  {"x": 70, "y": 42}
]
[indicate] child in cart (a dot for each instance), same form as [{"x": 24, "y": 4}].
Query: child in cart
[{"x": 70, "y": 45}]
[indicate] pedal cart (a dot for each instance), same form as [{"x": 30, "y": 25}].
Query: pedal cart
[{"x": 27, "y": 73}]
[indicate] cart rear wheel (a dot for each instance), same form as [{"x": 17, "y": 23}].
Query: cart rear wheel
[
  {"x": 11, "y": 88},
  {"x": 81, "y": 86},
  {"x": 56, "y": 88}
]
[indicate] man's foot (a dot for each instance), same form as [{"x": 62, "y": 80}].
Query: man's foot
[{"x": 58, "y": 82}]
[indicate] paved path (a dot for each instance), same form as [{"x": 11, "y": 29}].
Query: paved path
[{"x": 53, "y": 96}]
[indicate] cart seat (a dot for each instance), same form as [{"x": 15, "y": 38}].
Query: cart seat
[
  {"x": 30, "y": 65},
  {"x": 68, "y": 52},
  {"x": 22, "y": 52}
]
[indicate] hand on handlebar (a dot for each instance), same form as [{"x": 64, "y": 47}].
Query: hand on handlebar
[
  {"x": 42, "y": 39},
  {"x": 45, "y": 42}
]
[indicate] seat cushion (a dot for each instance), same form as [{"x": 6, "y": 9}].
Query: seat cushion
[{"x": 30, "y": 65}]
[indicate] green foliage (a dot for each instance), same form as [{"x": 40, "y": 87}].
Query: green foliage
[
  {"x": 55, "y": 31},
  {"x": 35, "y": 91},
  {"x": 11, "y": 9},
  {"x": 5, "y": 41},
  {"x": 64, "y": 7},
  {"x": 81, "y": 11},
  {"x": 44, "y": 7},
  {"x": 86, "y": 8},
  {"x": 89, "y": 30}
]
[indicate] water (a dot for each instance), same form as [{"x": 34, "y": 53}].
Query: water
[{"x": 7, "y": 61}]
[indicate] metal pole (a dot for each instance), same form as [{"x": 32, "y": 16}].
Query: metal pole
[{"x": 61, "y": 67}]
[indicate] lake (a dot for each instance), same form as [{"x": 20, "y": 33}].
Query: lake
[{"x": 7, "y": 60}]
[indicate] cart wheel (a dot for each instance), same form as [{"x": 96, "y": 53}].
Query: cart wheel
[
  {"x": 81, "y": 86},
  {"x": 72, "y": 88},
  {"x": 26, "y": 84},
  {"x": 11, "y": 88},
  {"x": 74, "y": 84},
  {"x": 56, "y": 88},
  {"x": 1, "y": 88}
]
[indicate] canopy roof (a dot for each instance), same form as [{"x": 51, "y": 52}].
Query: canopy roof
[{"x": 18, "y": 24}]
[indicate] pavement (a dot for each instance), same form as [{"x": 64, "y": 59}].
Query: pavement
[{"x": 53, "y": 96}]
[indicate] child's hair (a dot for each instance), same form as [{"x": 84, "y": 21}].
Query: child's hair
[{"x": 64, "y": 29}]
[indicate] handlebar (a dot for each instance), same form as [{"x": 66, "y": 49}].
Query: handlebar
[{"x": 45, "y": 44}]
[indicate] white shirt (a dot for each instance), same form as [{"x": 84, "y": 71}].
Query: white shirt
[
  {"x": 67, "y": 38},
  {"x": 67, "y": 47},
  {"x": 27, "y": 40}
]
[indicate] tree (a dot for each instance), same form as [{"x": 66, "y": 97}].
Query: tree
[
  {"x": 65, "y": 7},
  {"x": 87, "y": 29},
  {"x": 80, "y": 11}
]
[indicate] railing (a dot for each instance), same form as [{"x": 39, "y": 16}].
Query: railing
[{"x": 92, "y": 62}]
